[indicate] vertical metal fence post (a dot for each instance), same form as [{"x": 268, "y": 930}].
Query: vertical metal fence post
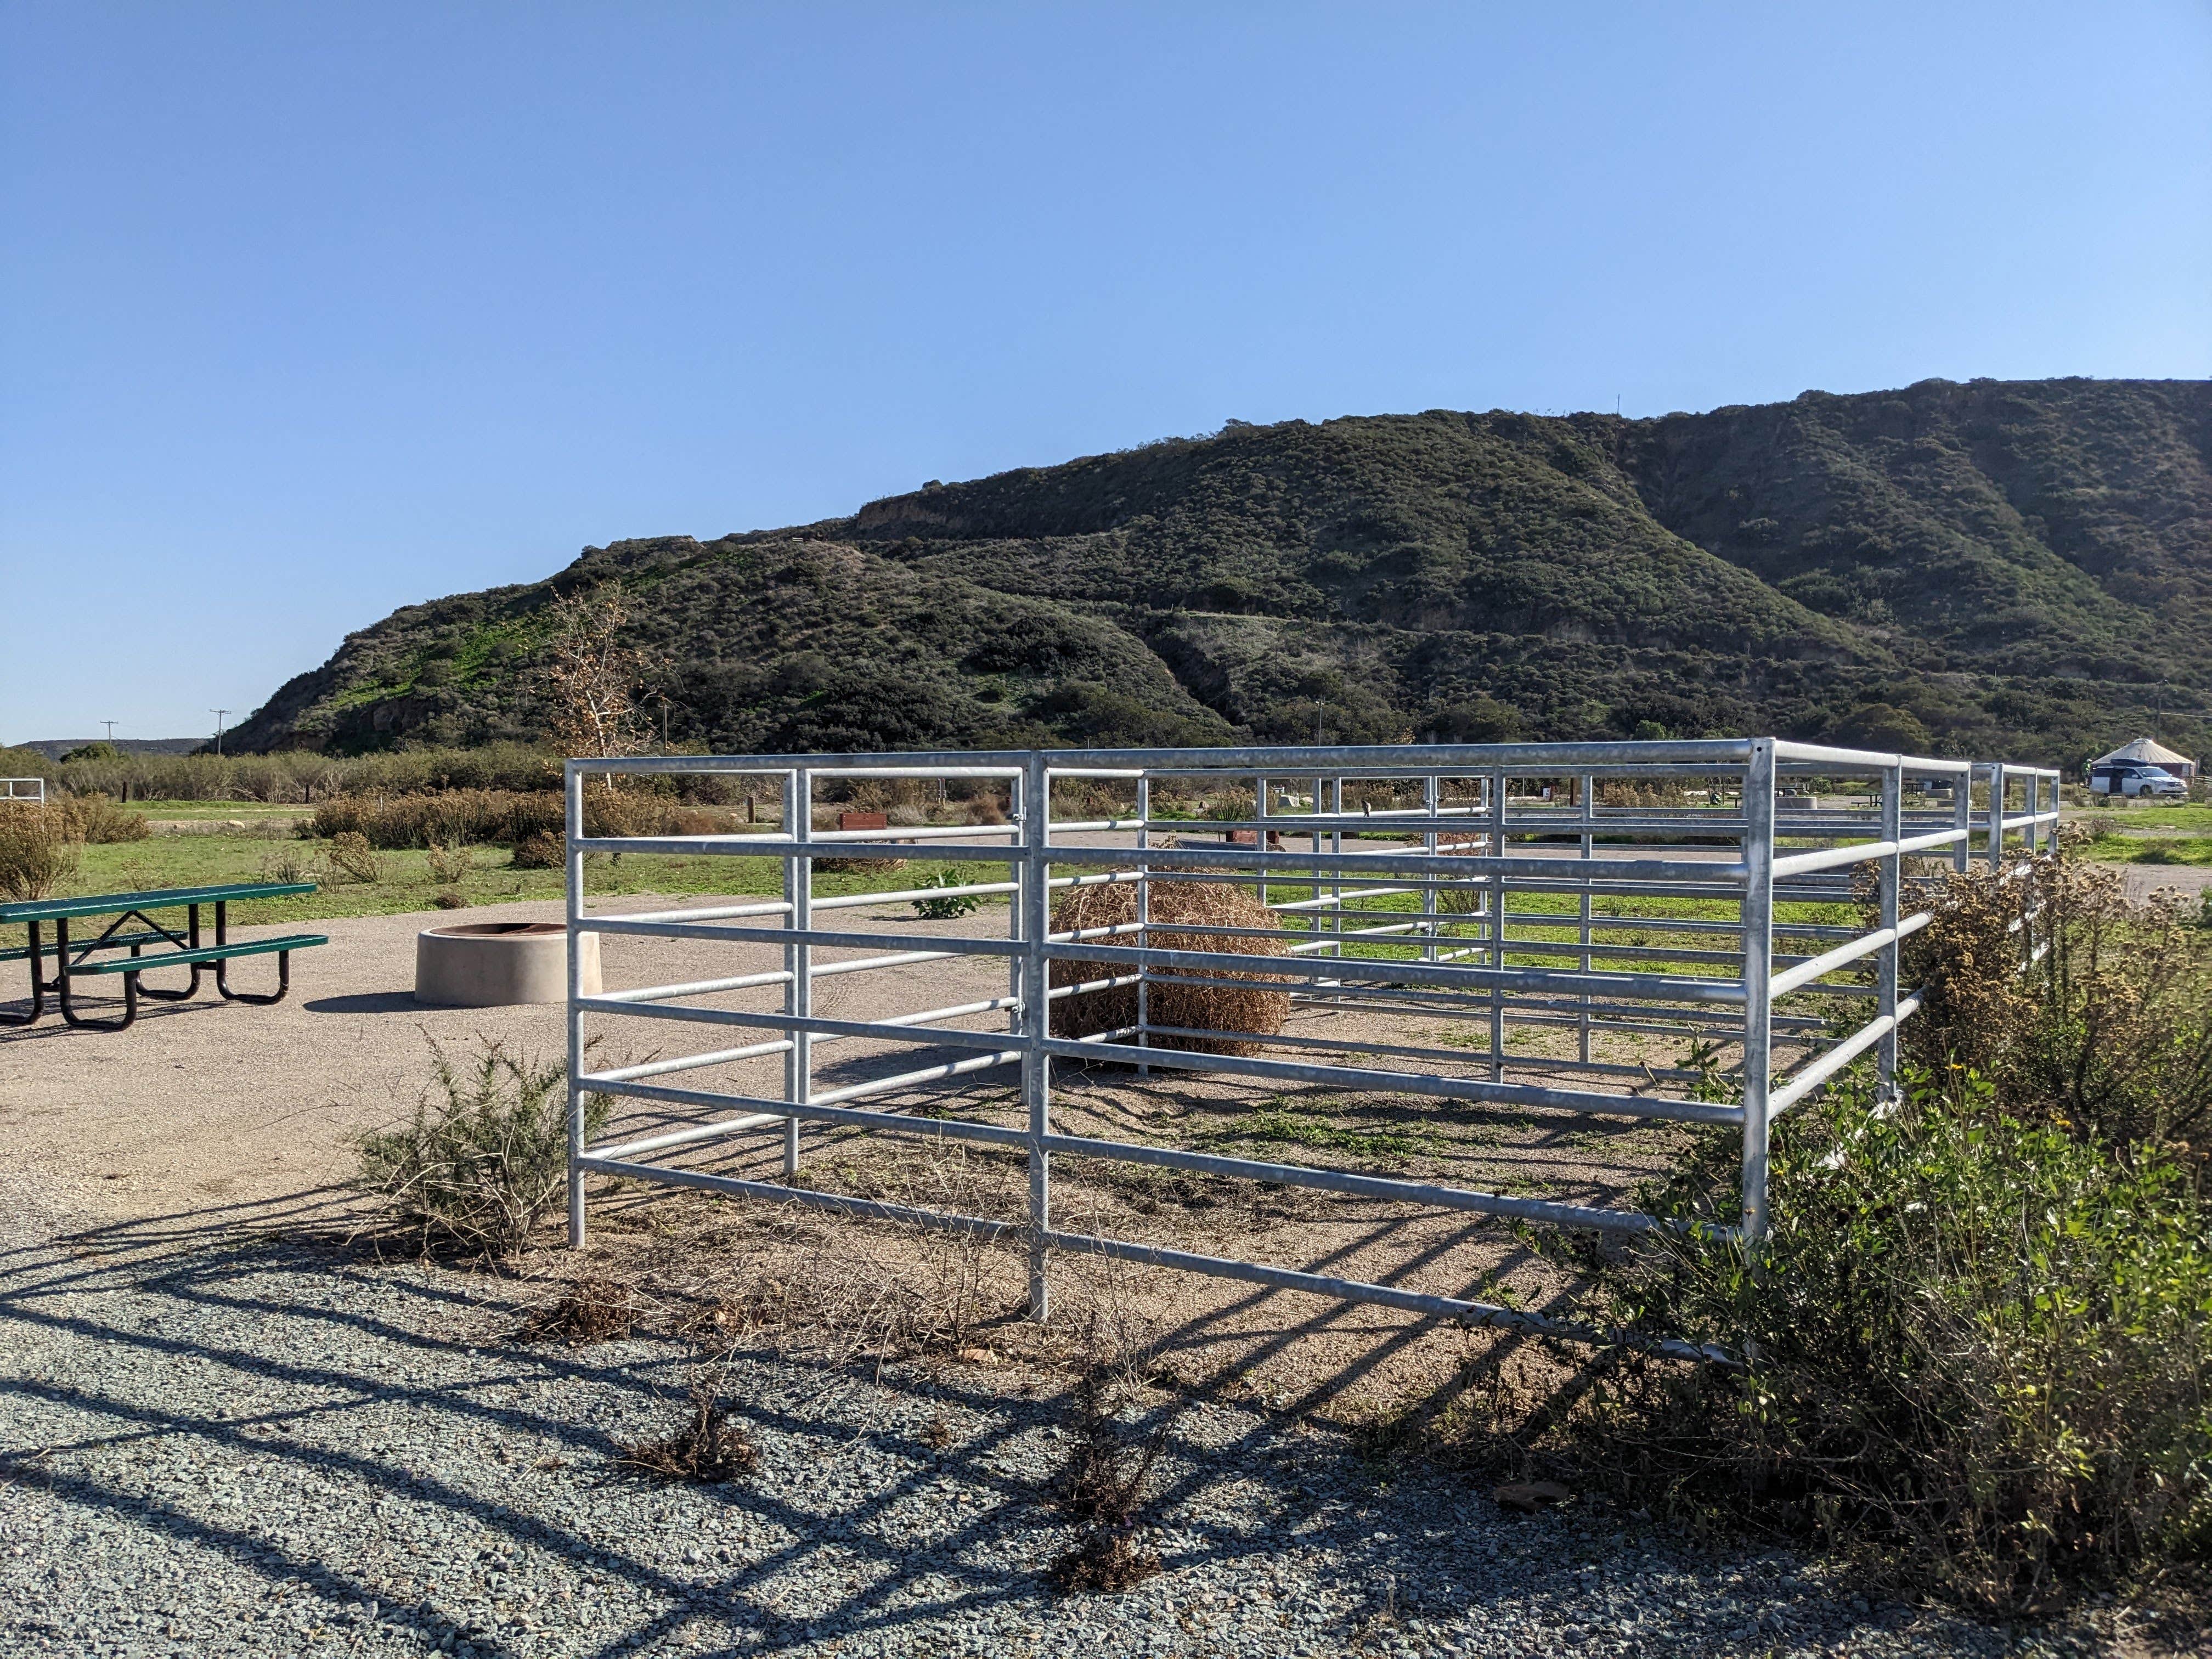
[
  {"x": 1260, "y": 835},
  {"x": 1962, "y": 820},
  {"x": 1035, "y": 901},
  {"x": 1318, "y": 910},
  {"x": 1997, "y": 816},
  {"x": 1893, "y": 874},
  {"x": 1497, "y": 929},
  {"x": 1586, "y": 793},
  {"x": 1144, "y": 916},
  {"x": 1758, "y": 970},
  {"x": 573, "y": 785},
  {"x": 1336, "y": 849},
  {"x": 1430, "y": 800},
  {"x": 1017, "y": 909},
  {"x": 797, "y": 958}
]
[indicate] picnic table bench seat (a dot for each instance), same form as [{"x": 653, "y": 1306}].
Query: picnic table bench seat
[
  {"x": 18, "y": 952},
  {"x": 252, "y": 947},
  {"x": 182, "y": 950}
]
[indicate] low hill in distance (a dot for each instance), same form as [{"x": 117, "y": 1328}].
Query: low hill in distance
[
  {"x": 55, "y": 748},
  {"x": 2015, "y": 569}
]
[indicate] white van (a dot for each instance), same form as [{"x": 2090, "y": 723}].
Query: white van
[{"x": 2133, "y": 778}]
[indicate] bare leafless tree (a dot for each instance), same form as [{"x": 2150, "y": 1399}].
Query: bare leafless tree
[{"x": 592, "y": 678}]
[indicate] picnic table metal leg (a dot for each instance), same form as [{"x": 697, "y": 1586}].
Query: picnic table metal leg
[
  {"x": 222, "y": 967},
  {"x": 38, "y": 986},
  {"x": 62, "y": 988},
  {"x": 193, "y": 988}
]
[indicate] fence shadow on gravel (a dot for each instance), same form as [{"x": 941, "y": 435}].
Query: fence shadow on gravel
[
  {"x": 324, "y": 1215},
  {"x": 311, "y": 1372}
]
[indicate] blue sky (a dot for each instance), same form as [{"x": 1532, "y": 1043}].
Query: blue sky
[{"x": 309, "y": 312}]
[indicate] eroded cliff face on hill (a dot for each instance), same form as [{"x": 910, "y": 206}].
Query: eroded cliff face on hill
[{"x": 2022, "y": 566}]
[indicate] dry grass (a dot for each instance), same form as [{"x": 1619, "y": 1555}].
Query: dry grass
[
  {"x": 1180, "y": 913},
  {"x": 832, "y": 1289}
]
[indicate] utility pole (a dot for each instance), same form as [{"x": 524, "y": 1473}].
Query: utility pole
[
  {"x": 110, "y": 725},
  {"x": 218, "y": 713},
  {"x": 1318, "y": 707}
]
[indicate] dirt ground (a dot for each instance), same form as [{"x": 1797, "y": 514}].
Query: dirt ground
[{"x": 206, "y": 1118}]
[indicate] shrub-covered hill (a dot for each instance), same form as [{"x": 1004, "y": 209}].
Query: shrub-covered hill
[{"x": 2021, "y": 567}]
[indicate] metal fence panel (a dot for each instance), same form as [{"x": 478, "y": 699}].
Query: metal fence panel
[{"x": 1411, "y": 910}]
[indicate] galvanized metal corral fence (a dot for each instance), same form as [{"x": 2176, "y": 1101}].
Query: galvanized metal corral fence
[{"x": 1499, "y": 887}]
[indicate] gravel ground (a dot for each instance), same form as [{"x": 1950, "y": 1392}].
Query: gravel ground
[{"x": 267, "y": 1448}]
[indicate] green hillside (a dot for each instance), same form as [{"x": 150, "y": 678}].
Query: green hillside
[{"x": 2019, "y": 567}]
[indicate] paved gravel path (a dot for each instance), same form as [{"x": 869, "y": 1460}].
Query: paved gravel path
[{"x": 269, "y": 1450}]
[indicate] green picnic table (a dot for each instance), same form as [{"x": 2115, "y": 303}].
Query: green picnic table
[{"x": 182, "y": 950}]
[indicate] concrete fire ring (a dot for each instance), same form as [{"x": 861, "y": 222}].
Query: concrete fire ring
[{"x": 495, "y": 964}]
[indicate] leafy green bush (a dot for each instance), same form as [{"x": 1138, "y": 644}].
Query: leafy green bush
[
  {"x": 950, "y": 908},
  {"x": 485, "y": 1154},
  {"x": 2108, "y": 1035},
  {"x": 1978, "y": 1349}
]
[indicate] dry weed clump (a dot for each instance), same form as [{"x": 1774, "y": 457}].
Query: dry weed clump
[
  {"x": 352, "y": 858},
  {"x": 40, "y": 843},
  {"x": 1182, "y": 914},
  {"x": 592, "y": 1309},
  {"x": 706, "y": 1447},
  {"x": 448, "y": 862},
  {"x": 1107, "y": 1479}
]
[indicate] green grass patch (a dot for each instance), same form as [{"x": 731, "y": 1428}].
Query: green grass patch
[
  {"x": 184, "y": 810},
  {"x": 1278, "y": 1124},
  {"x": 406, "y": 882}
]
